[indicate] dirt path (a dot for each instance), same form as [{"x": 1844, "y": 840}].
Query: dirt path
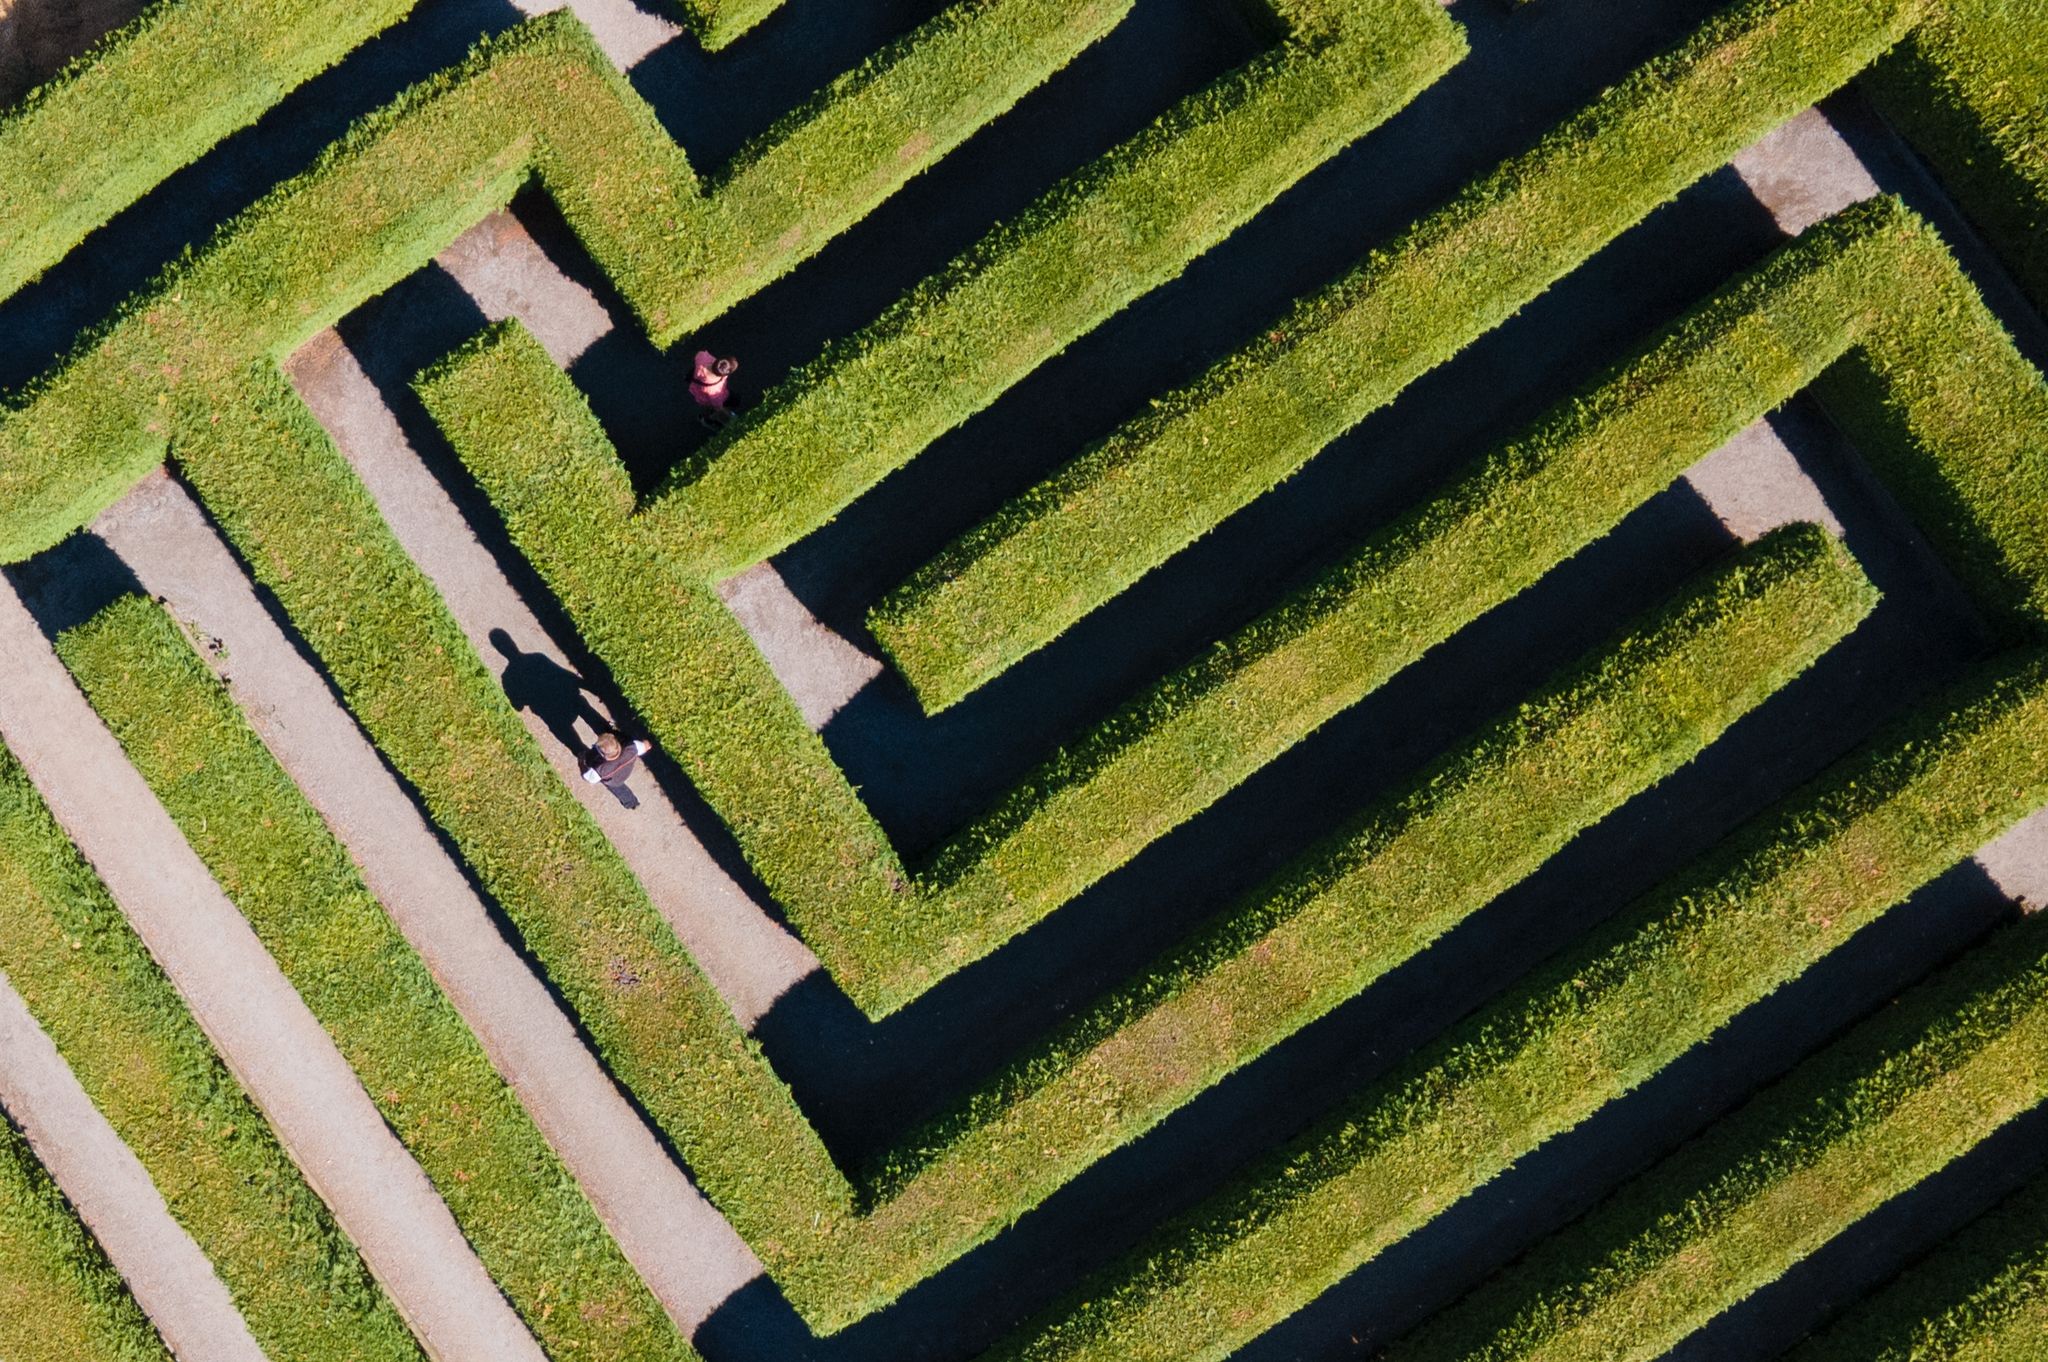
[
  {"x": 750, "y": 958},
  {"x": 258, "y": 1024},
  {"x": 170, "y": 1278},
  {"x": 681, "y": 1247}
]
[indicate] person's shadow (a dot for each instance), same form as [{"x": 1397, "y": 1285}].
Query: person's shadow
[{"x": 557, "y": 697}]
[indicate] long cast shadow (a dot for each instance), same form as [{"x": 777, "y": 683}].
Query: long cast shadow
[
  {"x": 1876, "y": 1249},
  {"x": 1567, "y": 1176},
  {"x": 925, "y": 775},
  {"x": 1525, "y": 71},
  {"x": 1163, "y": 50},
  {"x": 38, "y": 324}
]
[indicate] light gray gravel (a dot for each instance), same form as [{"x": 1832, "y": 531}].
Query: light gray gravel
[
  {"x": 256, "y": 1021},
  {"x": 681, "y": 1247},
  {"x": 171, "y": 1279}
]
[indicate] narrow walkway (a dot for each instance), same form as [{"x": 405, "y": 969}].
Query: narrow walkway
[
  {"x": 171, "y": 1279},
  {"x": 689, "y": 1257},
  {"x": 750, "y": 957},
  {"x": 1801, "y": 173},
  {"x": 263, "y": 1031}
]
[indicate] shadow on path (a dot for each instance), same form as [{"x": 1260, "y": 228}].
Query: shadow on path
[
  {"x": 554, "y": 694},
  {"x": 38, "y": 324}
]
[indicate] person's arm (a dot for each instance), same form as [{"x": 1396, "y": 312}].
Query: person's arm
[{"x": 642, "y": 747}]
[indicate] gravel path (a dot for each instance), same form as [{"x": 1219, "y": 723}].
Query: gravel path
[
  {"x": 171, "y": 1279},
  {"x": 258, "y": 1024},
  {"x": 681, "y": 1247},
  {"x": 750, "y": 958}
]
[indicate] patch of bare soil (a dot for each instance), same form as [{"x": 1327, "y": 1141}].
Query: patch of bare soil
[{"x": 38, "y": 36}]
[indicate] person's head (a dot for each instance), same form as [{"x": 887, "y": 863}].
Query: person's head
[
  {"x": 609, "y": 747},
  {"x": 726, "y": 368}
]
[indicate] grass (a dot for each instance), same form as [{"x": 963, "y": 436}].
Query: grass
[
  {"x": 540, "y": 101},
  {"x": 1378, "y": 891},
  {"x": 137, "y": 1052},
  {"x": 60, "y": 1299},
  {"x": 1971, "y": 90},
  {"x": 1866, "y": 1120},
  {"x": 1601, "y": 1019},
  {"x": 517, "y": 1205},
  {"x": 310, "y": 532},
  {"x": 1085, "y": 534},
  {"x": 1981, "y": 1297},
  {"x": 547, "y": 464},
  {"x": 888, "y": 931},
  {"x": 150, "y": 99},
  {"x": 1115, "y": 230}
]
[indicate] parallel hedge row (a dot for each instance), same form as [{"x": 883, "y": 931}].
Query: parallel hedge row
[
  {"x": 1081, "y": 537},
  {"x": 802, "y": 825},
  {"x": 694, "y": 676},
  {"x": 1982, "y": 1297},
  {"x": 126, "y": 1035},
  {"x": 60, "y": 1299},
  {"x": 1390, "y": 882},
  {"x": 311, "y": 533},
  {"x": 1113, "y": 231},
  {"x": 540, "y": 100},
  {"x": 1868, "y": 1118},
  {"x": 1971, "y": 90},
  {"x": 276, "y": 859},
  {"x": 540, "y": 453},
  {"x": 373, "y": 209},
  {"x": 1601, "y": 1019},
  {"x": 150, "y": 99}
]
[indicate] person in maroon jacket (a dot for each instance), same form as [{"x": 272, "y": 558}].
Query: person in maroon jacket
[
  {"x": 711, "y": 386},
  {"x": 611, "y": 759}
]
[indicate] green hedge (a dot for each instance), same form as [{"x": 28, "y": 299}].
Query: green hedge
[
  {"x": 60, "y": 1299},
  {"x": 717, "y": 22},
  {"x": 1971, "y": 90},
  {"x": 516, "y": 1203},
  {"x": 1864, "y": 1121},
  {"x": 1110, "y": 233},
  {"x": 1604, "y": 1017},
  {"x": 539, "y": 100},
  {"x": 150, "y": 99},
  {"x": 1982, "y": 1297},
  {"x": 310, "y": 532},
  {"x": 691, "y": 670},
  {"x": 541, "y": 454},
  {"x": 1058, "y": 551},
  {"x": 887, "y": 933},
  {"x": 1377, "y": 892},
  {"x": 122, "y": 1028}
]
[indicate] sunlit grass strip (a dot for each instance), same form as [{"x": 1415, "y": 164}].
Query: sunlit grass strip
[
  {"x": 517, "y": 1205},
  {"x": 128, "y": 1038},
  {"x": 1606, "y": 1016},
  {"x": 1081, "y": 537},
  {"x": 886, "y": 931},
  {"x": 1384, "y": 886},
  {"x": 718, "y": 22},
  {"x": 539, "y": 101},
  {"x": 60, "y": 1299},
  {"x": 152, "y": 97},
  {"x": 1981, "y": 1297},
  {"x": 1971, "y": 90},
  {"x": 290, "y": 503},
  {"x": 1866, "y": 1120},
  {"x": 1113, "y": 231}
]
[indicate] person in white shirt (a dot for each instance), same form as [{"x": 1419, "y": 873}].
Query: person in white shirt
[{"x": 610, "y": 760}]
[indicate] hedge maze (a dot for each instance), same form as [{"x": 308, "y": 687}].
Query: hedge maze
[{"x": 1906, "y": 322}]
